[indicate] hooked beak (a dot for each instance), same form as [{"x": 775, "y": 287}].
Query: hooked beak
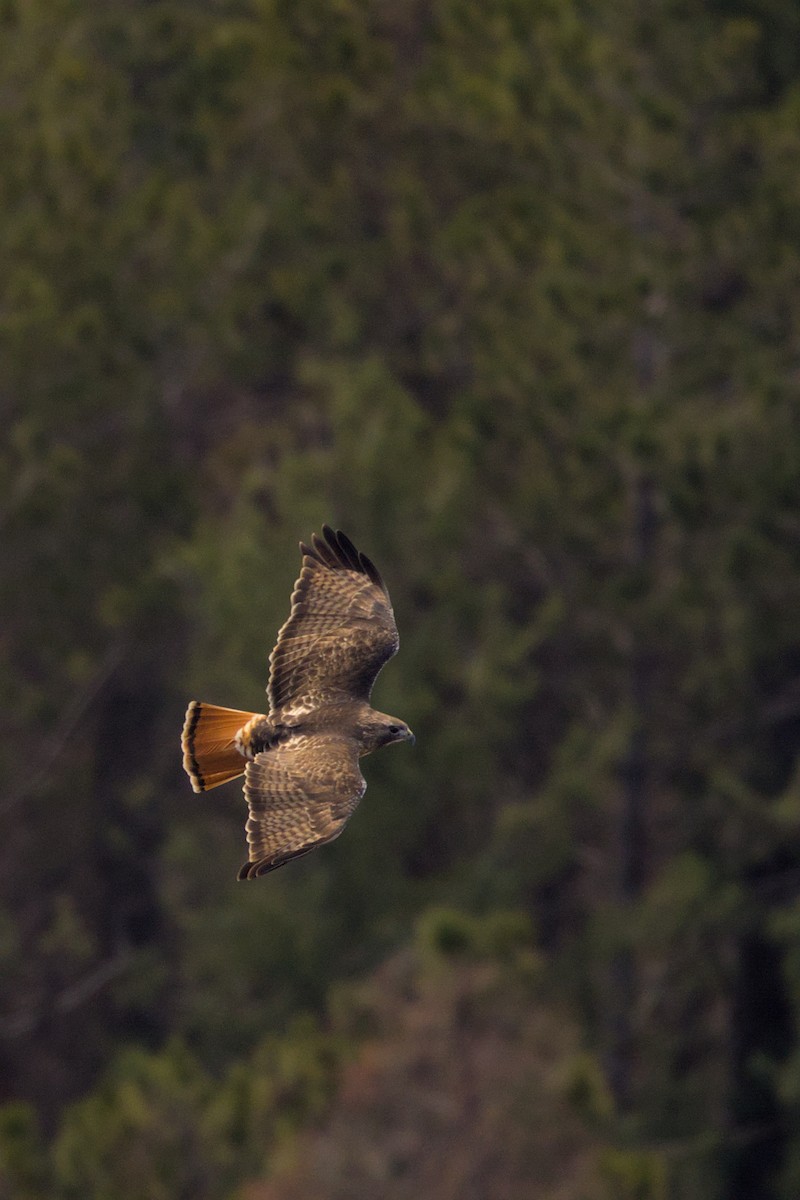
[{"x": 411, "y": 738}]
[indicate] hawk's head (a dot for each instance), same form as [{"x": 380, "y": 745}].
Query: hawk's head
[{"x": 381, "y": 729}]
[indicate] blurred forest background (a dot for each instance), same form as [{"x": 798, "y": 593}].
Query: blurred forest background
[{"x": 510, "y": 291}]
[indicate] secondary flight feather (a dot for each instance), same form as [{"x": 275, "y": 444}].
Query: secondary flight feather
[{"x": 300, "y": 760}]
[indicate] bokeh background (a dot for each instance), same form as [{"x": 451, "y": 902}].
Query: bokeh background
[{"x": 509, "y": 290}]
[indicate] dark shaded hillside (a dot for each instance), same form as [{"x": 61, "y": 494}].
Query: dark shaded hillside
[{"x": 460, "y": 1090}]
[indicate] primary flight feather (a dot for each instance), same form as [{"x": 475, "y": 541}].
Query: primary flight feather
[{"x": 300, "y": 760}]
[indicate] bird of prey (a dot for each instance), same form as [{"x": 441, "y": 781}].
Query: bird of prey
[{"x": 300, "y": 760}]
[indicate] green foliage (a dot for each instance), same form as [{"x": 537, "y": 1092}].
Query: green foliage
[
  {"x": 147, "y": 1121},
  {"x": 23, "y": 1161},
  {"x": 449, "y": 933},
  {"x": 586, "y": 1089},
  {"x": 286, "y": 1082},
  {"x": 633, "y": 1176},
  {"x": 160, "y": 1123}
]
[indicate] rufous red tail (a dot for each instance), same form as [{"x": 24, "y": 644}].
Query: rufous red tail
[{"x": 210, "y": 753}]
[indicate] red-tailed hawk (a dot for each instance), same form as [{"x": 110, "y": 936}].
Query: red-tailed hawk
[{"x": 300, "y": 761}]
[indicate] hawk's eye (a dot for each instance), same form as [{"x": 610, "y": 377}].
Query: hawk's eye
[{"x": 395, "y": 729}]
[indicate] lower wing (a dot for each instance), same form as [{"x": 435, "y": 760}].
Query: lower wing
[{"x": 300, "y": 795}]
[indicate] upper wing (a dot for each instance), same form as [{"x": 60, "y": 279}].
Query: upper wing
[
  {"x": 341, "y": 629},
  {"x": 300, "y": 795}
]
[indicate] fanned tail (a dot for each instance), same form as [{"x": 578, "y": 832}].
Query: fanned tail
[{"x": 210, "y": 754}]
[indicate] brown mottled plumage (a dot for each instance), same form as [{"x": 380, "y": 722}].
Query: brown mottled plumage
[{"x": 300, "y": 761}]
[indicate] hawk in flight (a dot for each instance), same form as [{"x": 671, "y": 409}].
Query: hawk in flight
[{"x": 300, "y": 761}]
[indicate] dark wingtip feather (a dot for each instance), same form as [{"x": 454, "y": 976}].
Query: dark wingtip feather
[
  {"x": 337, "y": 552},
  {"x": 312, "y": 553},
  {"x": 338, "y": 543},
  {"x": 323, "y": 551},
  {"x": 252, "y": 870},
  {"x": 349, "y": 551},
  {"x": 369, "y": 569}
]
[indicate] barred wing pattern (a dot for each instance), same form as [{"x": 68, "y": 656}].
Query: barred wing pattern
[
  {"x": 340, "y": 632},
  {"x": 300, "y": 760},
  {"x": 300, "y": 795}
]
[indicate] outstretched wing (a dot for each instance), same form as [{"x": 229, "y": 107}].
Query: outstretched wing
[
  {"x": 300, "y": 795},
  {"x": 340, "y": 632}
]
